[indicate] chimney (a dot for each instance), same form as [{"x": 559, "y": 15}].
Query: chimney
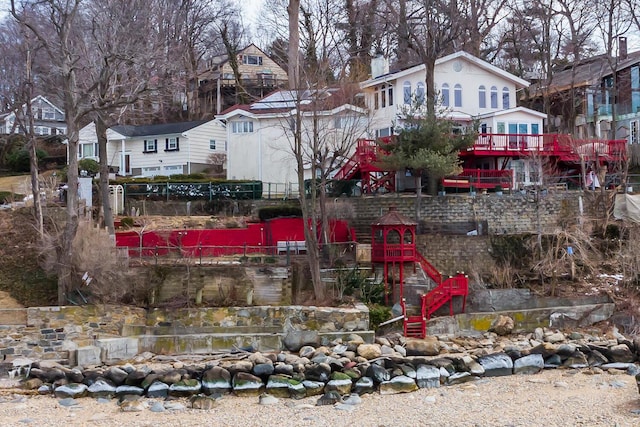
[
  {"x": 622, "y": 47},
  {"x": 379, "y": 66}
]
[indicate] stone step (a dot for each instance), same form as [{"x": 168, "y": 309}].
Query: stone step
[{"x": 138, "y": 330}]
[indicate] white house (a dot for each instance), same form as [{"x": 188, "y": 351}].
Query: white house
[
  {"x": 470, "y": 90},
  {"x": 164, "y": 149},
  {"x": 261, "y": 139},
  {"x": 48, "y": 119}
]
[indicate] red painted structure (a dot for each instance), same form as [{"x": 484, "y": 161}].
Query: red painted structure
[
  {"x": 393, "y": 245},
  {"x": 563, "y": 152},
  {"x": 262, "y": 237}
]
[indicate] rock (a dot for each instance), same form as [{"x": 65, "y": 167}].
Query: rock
[
  {"x": 73, "y": 391},
  {"x": 129, "y": 390},
  {"x": 340, "y": 383},
  {"x": 329, "y": 398},
  {"x": 369, "y": 351},
  {"x": 174, "y": 406},
  {"x": 306, "y": 351},
  {"x": 102, "y": 388},
  {"x": 638, "y": 382},
  {"x": 136, "y": 377},
  {"x": 378, "y": 373},
  {"x": 297, "y": 390},
  {"x": 202, "y": 402},
  {"x": 133, "y": 406},
  {"x": 353, "y": 399},
  {"x": 158, "y": 389},
  {"x": 185, "y": 388},
  {"x": 428, "y": 376},
  {"x": 245, "y": 384},
  {"x": 68, "y": 402},
  {"x": 620, "y": 353},
  {"x": 538, "y": 334},
  {"x": 496, "y": 365},
  {"x": 295, "y": 340},
  {"x": 364, "y": 385},
  {"x": 343, "y": 407},
  {"x": 157, "y": 407},
  {"x": 553, "y": 361},
  {"x": 47, "y": 375},
  {"x": 313, "y": 388},
  {"x": 216, "y": 380},
  {"x": 117, "y": 375},
  {"x": 555, "y": 338},
  {"x": 531, "y": 364},
  {"x": 263, "y": 370},
  {"x": 576, "y": 361},
  {"x": 283, "y": 368},
  {"x": 319, "y": 372},
  {"x": 460, "y": 378},
  {"x": 278, "y": 386},
  {"x": 170, "y": 377},
  {"x": 32, "y": 384},
  {"x": 267, "y": 399},
  {"x": 429, "y": 346},
  {"x": 399, "y": 384},
  {"x": 595, "y": 358},
  {"x": 502, "y": 325},
  {"x": 44, "y": 389}
]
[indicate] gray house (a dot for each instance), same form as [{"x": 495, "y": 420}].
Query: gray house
[{"x": 48, "y": 119}]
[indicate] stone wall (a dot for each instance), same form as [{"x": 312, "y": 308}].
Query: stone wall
[
  {"x": 507, "y": 214},
  {"x": 108, "y": 333},
  {"x": 450, "y": 254}
]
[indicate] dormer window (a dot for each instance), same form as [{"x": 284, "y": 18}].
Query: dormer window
[{"x": 252, "y": 59}]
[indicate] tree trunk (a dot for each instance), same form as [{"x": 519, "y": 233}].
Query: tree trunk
[
  {"x": 293, "y": 10},
  {"x": 35, "y": 182},
  {"x": 101, "y": 135}
]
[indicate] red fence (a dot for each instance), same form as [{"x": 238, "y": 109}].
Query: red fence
[{"x": 255, "y": 238}]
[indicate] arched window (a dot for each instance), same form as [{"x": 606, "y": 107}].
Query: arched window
[
  {"x": 406, "y": 90},
  {"x": 494, "y": 97},
  {"x": 482, "y": 97},
  {"x": 457, "y": 95},
  {"x": 505, "y": 98},
  {"x": 445, "y": 95},
  {"x": 420, "y": 92}
]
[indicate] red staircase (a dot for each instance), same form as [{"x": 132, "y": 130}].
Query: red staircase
[
  {"x": 361, "y": 165},
  {"x": 444, "y": 292}
]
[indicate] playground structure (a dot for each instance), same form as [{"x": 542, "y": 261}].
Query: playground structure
[
  {"x": 561, "y": 151},
  {"x": 393, "y": 245}
]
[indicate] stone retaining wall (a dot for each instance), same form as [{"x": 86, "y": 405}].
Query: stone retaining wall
[{"x": 58, "y": 333}]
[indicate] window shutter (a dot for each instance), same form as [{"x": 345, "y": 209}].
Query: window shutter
[
  {"x": 177, "y": 142},
  {"x": 166, "y": 144}
]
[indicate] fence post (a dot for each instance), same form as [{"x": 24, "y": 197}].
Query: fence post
[{"x": 167, "y": 191}]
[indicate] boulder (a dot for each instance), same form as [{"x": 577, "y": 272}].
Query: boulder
[
  {"x": 102, "y": 388},
  {"x": 158, "y": 390},
  {"x": 429, "y": 346},
  {"x": 339, "y": 382},
  {"x": 185, "y": 388},
  {"x": 369, "y": 351},
  {"x": 496, "y": 365},
  {"x": 531, "y": 364},
  {"x": 73, "y": 391},
  {"x": 216, "y": 380},
  {"x": 399, "y": 384},
  {"x": 247, "y": 385},
  {"x": 364, "y": 385},
  {"x": 295, "y": 340},
  {"x": 278, "y": 386},
  {"x": 129, "y": 390},
  {"x": 621, "y": 353},
  {"x": 377, "y": 373},
  {"x": 427, "y": 376},
  {"x": 200, "y": 401},
  {"x": 313, "y": 388},
  {"x": 502, "y": 325}
]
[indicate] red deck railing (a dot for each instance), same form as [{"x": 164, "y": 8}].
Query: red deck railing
[{"x": 480, "y": 178}]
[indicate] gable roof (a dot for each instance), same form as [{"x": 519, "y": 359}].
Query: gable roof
[
  {"x": 394, "y": 75},
  {"x": 35, "y": 99},
  {"x": 161, "y": 129},
  {"x": 585, "y": 73}
]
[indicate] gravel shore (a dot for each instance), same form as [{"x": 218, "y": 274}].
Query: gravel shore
[{"x": 551, "y": 398}]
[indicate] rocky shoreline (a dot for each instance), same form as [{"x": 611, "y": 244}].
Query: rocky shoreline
[{"x": 338, "y": 374}]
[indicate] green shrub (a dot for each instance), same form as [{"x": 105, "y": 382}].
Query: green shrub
[
  {"x": 18, "y": 160},
  {"x": 91, "y": 166},
  {"x": 378, "y": 314},
  {"x": 127, "y": 221},
  {"x": 8, "y": 196}
]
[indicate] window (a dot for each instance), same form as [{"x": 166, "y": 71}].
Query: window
[
  {"x": 633, "y": 132},
  {"x": 48, "y": 113},
  {"x": 383, "y": 96},
  {"x": 384, "y": 132},
  {"x": 252, "y": 59},
  {"x": 212, "y": 144},
  {"x": 535, "y": 129},
  {"x": 41, "y": 130},
  {"x": 494, "y": 97},
  {"x": 445, "y": 95},
  {"x": 406, "y": 92},
  {"x": 457, "y": 95},
  {"x": 420, "y": 93},
  {"x": 505, "y": 98},
  {"x": 390, "y": 98},
  {"x": 376, "y": 103},
  {"x": 242, "y": 127},
  {"x": 635, "y": 89},
  {"x": 87, "y": 150},
  {"x": 150, "y": 145},
  {"x": 482, "y": 97},
  {"x": 172, "y": 144}
]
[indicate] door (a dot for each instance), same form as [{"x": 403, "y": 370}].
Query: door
[{"x": 127, "y": 164}]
